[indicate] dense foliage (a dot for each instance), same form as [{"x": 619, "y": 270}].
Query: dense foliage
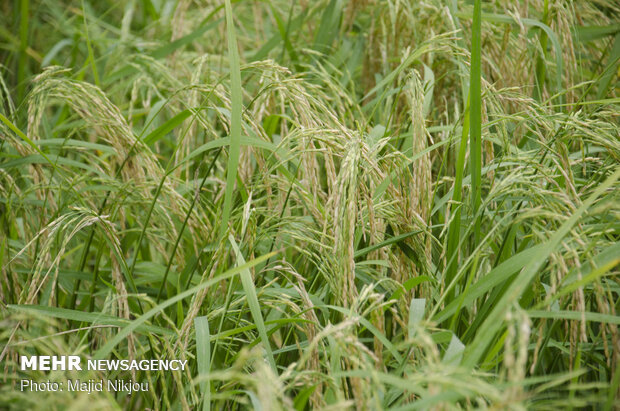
[{"x": 331, "y": 204}]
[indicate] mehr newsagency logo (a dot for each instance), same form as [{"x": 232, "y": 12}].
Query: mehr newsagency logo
[{"x": 76, "y": 363}]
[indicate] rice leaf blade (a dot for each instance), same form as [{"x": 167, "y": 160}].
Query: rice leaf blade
[{"x": 235, "y": 119}]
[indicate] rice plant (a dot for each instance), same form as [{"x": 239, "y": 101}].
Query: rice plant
[{"x": 315, "y": 204}]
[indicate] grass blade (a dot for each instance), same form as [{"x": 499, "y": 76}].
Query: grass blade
[
  {"x": 416, "y": 314},
  {"x": 89, "y": 47},
  {"x": 203, "y": 357},
  {"x": 454, "y": 352},
  {"x": 541, "y": 59},
  {"x": 611, "y": 70},
  {"x": 167, "y": 127},
  {"x": 85, "y": 317},
  {"x": 494, "y": 278},
  {"x": 250, "y": 293},
  {"x": 235, "y": 118},
  {"x": 24, "y": 7},
  {"x": 454, "y": 231},
  {"x": 328, "y": 28},
  {"x": 475, "y": 117},
  {"x": 576, "y": 315}
]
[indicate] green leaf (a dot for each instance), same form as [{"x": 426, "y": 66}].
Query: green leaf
[
  {"x": 385, "y": 243},
  {"x": 328, "y": 27},
  {"x": 454, "y": 229},
  {"x": 302, "y": 398},
  {"x": 167, "y": 127},
  {"x": 203, "y": 358},
  {"x": 409, "y": 284},
  {"x": 475, "y": 118},
  {"x": 235, "y": 118},
  {"x": 416, "y": 314},
  {"x": 86, "y": 317},
  {"x": 454, "y": 352},
  {"x": 250, "y": 294},
  {"x": 587, "y": 33},
  {"x": 576, "y": 315},
  {"x": 170, "y": 48},
  {"x": 611, "y": 70},
  {"x": 488, "y": 282}
]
